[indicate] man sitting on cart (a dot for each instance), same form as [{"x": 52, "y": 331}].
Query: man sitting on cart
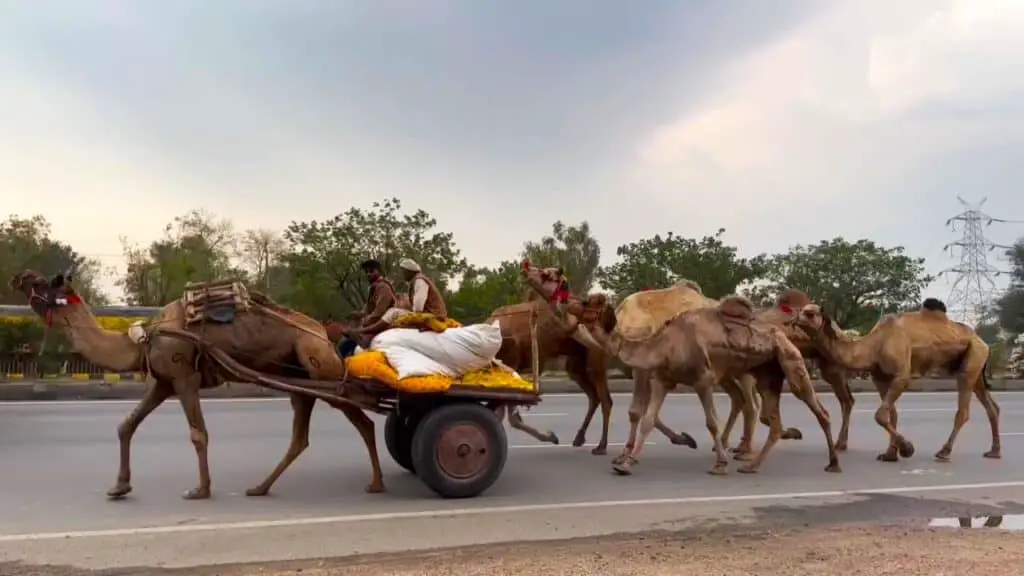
[
  {"x": 423, "y": 294},
  {"x": 381, "y": 299}
]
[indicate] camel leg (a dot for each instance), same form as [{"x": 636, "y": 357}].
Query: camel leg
[
  {"x": 187, "y": 389},
  {"x": 642, "y": 378},
  {"x": 705, "y": 389},
  {"x": 992, "y": 411},
  {"x": 742, "y": 396},
  {"x": 597, "y": 375},
  {"x": 639, "y": 400},
  {"x": 650, "y": 414},
  {"x": 302, "y": 413},
  {"x": 364, "y": 425},
  {"x": 836, "y": 378},
  {"x": 802, "y": 387},
  {"x": 770, "y": 400},
  {"x": 970, "y": 380},
  {"x": 515, "y": 420},
  {"x": 576, "y": 368},
  {"x": 887, "y": 418},
  {"x": 160, "y": 391}
]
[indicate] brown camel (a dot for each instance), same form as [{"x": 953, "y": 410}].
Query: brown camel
[
  {"x": 586, "y": 365},
  {"x": 642, "y": 313},
  {"x": 703, "y": 348},
  {"x": 250, "y": 328},
  {"x": 902, "y": 348}
]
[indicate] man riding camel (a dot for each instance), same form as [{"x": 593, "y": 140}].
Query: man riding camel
[{"x": 380, "y": 301}]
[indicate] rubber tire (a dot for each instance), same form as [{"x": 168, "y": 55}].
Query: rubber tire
[
  {"x": 424, "y": 449},
  {"x": 398, "y": 435}
]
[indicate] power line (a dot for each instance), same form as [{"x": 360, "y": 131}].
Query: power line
[{"x": 974, "y": 287}]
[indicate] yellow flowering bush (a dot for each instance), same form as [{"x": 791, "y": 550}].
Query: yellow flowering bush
[
  {"x": 425, "y": 321},
  {"x": 373, "y": 365}
]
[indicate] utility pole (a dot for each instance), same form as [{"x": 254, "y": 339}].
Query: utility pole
[{"x": 974, "y": 287}]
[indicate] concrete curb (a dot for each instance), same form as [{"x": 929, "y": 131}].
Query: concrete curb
[{"x": 38, "y": 391}]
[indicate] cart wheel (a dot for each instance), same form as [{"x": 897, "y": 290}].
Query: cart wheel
[
  {"x": 398, "y": 433},
  {"x": 459, "y": 450}
]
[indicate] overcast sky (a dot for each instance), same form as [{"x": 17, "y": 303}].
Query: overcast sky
[{"x": 785, "y": 122}]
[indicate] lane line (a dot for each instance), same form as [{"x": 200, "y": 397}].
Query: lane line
[
  {"x": 556, "y": 396},
  {"x": 489, "y": 510}
]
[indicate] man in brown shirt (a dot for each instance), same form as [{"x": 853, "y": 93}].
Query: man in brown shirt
[
  {"x": 424, "y": 295},
  {"x": 381, "y": 299}
]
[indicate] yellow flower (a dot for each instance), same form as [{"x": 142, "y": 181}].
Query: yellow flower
[
  {"x": 373, "y": 365},
  {"x": 425, "y": 321},
  {"x": 496, "y": 379}
]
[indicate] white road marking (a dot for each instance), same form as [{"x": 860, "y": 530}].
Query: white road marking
[
  {"x": 555, "y": 396},
  {"x": 489, "y": 510}
]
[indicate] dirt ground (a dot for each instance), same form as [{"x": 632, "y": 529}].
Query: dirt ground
[{"x": 850, "y": 550}]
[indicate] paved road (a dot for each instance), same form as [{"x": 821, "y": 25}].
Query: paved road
[{"x": 59, "y": 458}]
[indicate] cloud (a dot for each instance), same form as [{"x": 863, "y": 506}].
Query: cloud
[
  {"x": 851, "y": 117},
  {"x": 784, "y": 123}
]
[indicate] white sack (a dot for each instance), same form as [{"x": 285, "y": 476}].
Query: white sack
[{"x": 450, "y": 353}]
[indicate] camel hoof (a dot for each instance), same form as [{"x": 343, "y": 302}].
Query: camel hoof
[
  {"x": 579, "y": 441},
  {"x": 119, "y": 491},
  {"x": 746, "y": 470},
  {"x": 599, "y": 451},
  {"x": 719, "y": 469},
  {"x": 684, "y": 440},
  {"x": 197, "y": 494},
  {"x": 257, "y": 491},
  {"x": 625, "y": 468},
  {"x": 943, "y": 456},
  {"x": 792, "y": 434},
  {"x": 552, "y": 438},
  {"x": 994, "y": 454},
  {"x": 743, "y": 456},
  {"x": 374, "y": 488},
  {"x": 888, "y": 456},
  {"x": 834, "y": 467},
  {"x": 906, "y": 449}
]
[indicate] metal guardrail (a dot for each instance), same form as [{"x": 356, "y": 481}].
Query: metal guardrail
[{"x": 16, "y": 367}]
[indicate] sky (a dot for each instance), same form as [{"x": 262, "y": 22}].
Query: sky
[{"x": 784, "y": 122}]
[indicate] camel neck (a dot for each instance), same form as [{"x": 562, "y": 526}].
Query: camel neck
[
  {"x": 107, "y": 348},
  {"x": 853, "y": 353}
]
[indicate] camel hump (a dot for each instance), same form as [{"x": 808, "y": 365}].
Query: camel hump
[
  {"x": 793, "y": 298},
  {"x": 933, "y": 305},
  {"x": 642, "y": 315},
  {"x": 737, "y": 307},
  {"x": 691, "y": 285}
]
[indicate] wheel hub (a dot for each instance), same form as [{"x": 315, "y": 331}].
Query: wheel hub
[{"x": 463, "y": 451}]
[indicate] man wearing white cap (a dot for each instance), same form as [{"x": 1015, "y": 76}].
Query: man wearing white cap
[{"x": 425, "y": 297}]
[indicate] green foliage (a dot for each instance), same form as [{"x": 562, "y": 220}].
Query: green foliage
[
  {"x": 662, "y": 261},
  {"x": 571, "y": 248},
  {"x": 196, "y": 247},
  {"x": 483, "y": 290},
  {"x": 26, "y": 243},
  {"x": 324, "y": 257},
  {"x": 855, "y": 282},
  {"x": 1010, "y": 307}
]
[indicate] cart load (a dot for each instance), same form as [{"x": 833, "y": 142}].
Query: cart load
[{"x": 435, "y": 360}]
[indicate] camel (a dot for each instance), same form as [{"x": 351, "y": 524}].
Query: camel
[
  {"x": 901, "y": 348},
  {"x": 585, "y": 364},
  {"x": 704, "y": 348},
  {"x": 247, "y": 326},
  {"x": 641, "y": 313}
]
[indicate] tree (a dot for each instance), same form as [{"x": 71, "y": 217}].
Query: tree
[
  {"x": 662, "y": 261},
  {"x": 26, "y": 243},
  {"x": 1010, "y": 307},
  {"x": 196, "y": 247},
  {"x": 324, "y": 257},
  {"x": 482, "y": 290},
  {"x": 261, "y": 254},
  {"x": 855, "y": 282},
  {"x": 571, "y": 248}
]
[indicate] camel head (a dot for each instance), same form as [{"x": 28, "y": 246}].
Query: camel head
[
  {"x": 545, "y": 280},
  {"x": 45, "y": 297},
  {"x": 816, "y": 323}
]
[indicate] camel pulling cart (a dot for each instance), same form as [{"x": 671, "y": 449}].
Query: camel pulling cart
[{"x": 453, "y": 439}]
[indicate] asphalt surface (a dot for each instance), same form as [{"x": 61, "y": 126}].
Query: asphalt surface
[{"x": 59, "y": 458}]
